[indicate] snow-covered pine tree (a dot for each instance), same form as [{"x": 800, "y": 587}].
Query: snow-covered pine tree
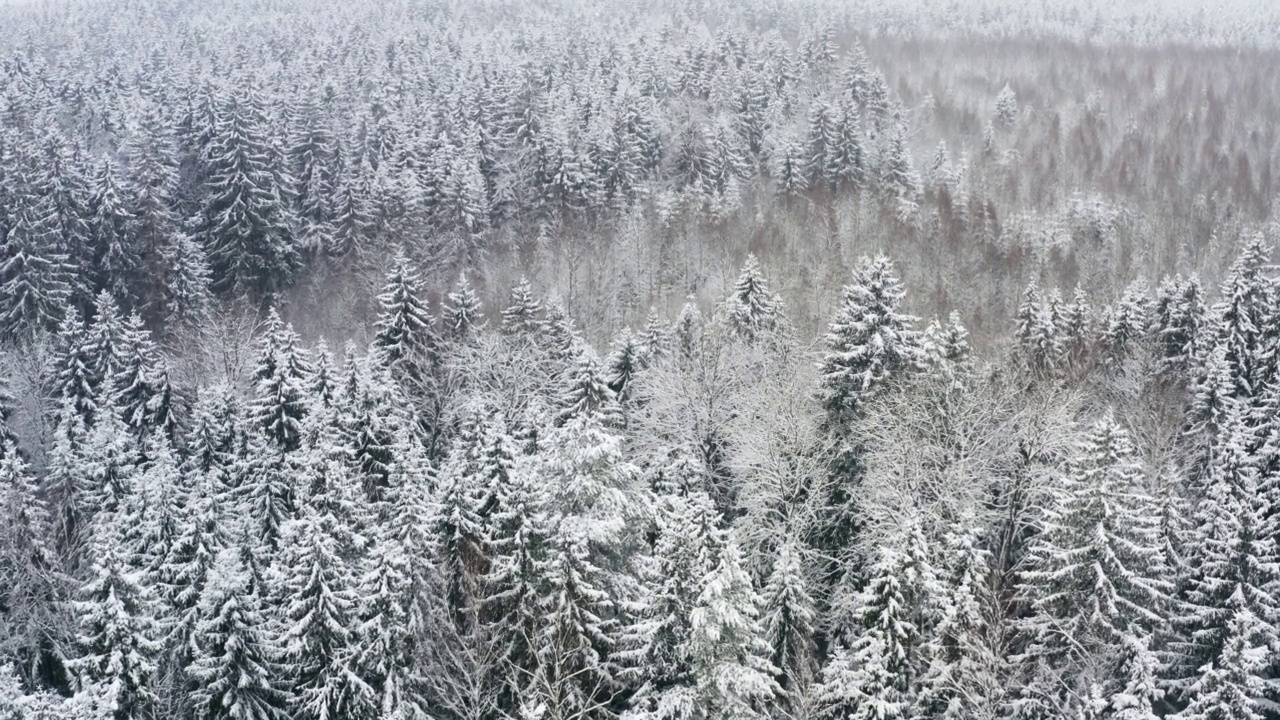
[
  {"x": 655, "y": 341},
  {"x": 1077, "y": 329},
  {"x": 1235, "y": 684},
  {"x": 244, "y": 225},
  {"x": 460, "y": 537},
  {"x": 514, "y": 584},
  {"x": 1036, "y": 333},
  {"x": 152, "y": 187},
  {"x": 1137, "y": 674},
  {"x": 406, "y": 338},
  {"x": 280, "y": 377},
  {"x": 35, "y": 278},
  {"x": 73, "y": 379},
  {"x": 183, "y": 575},
  {"x": 558, "y": 336},
  {"x": 235, "y": 670},
  {"x": 1178, "y": 325},
  {"x": 624, "y": 361},
  {"x": 317, "y": 624},
  {"x": 110, "y": 458},
  {"x": 1095, "y": 579},
  {"x": 382, "y": 645},
  {"x": 868, "y": 674},
  {"x": 523, "y": 315},
  {"x": 1241, "y": 321},
  {"x": 654, "y": 649},
  {"x": 588, "y": 394},
  {"x": 947, "y": 348},
  {"x": 1126, "y": 324},
  {"x": 267, "y": 494},
  {"x": 870, "y": 344},
  {"x": 116, "y": 258},
  {"x": 751, "y": 311},
  {"x": 1232, "y": 559},
  {"x": 463, "y": 314},
  {"x": 137, "y": 382},
  {"x": 187, "y": 302},
  {"x": 961, "y": 678},
  {"x": 688, "y": 329},
  {"x": 790, "y": 618},
  {"x": 29, "y": 587},
  {"x": 118, "y": 634},
  {"x": 1006, "y": 112},
  {"x": 728, "y": 650}
]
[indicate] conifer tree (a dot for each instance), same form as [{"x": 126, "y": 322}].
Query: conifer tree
[
  {"x": 382, "y": 644},
  {"x": 655, "y": 342},
  {"x": 1037, "y": 334},
  {"x": 869, "y": 673},
  {"x": 1077, "y": 329},
  {"x": 514, "y": 584},
  {"x": 869, "y": 343},
  {"x": 29, "y": 590},
  {"x": 463, "y": 313},
  {"x": 235, "y": 669},
  {"x": 35, "y": 283},
  {"x": 318, "y": 604},
  {"x": 460, "y": 532},
  {"x": 1232, "y": 561},
  {"x": 727, "y": 646},
  {"x": 243, "y": 224},
  {"x": 790, "y": 622},
  {"x": 751, "y": 310},
  {"x": 654, "y": 650},
  {"x": 961, "y": 675},
  {"x": 152, "y": 187},
  {"x": 523, "y": 315},
  {"x": 1234, "y": 685},
  {"x": 1178, "y": 325},
  {"x": 117, "y": 261},
  {"x": 1126, "y": 324},
  {"x": 624, "y": 361},
  {"x": 1096, "y": 578},
  {"x": 588, "y": 393},
  {"x": 117, "y": 628},
  {"x": 280, "y": 380},
  {"x": 406, "y": 335},
  {"x": 74, "y": 378}
]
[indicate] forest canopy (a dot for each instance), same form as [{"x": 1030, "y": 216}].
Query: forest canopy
[{"x": 596, "y": 361}]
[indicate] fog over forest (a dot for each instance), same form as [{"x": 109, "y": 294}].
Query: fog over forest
[{"x": 704, "y": 360}]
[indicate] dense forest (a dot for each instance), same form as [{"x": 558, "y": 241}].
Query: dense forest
[{"x": 709, "y": 360}]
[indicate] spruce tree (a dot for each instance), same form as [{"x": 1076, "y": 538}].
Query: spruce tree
[
  {"x": 117, "y": 261},
  {"x": 727, "y": 646},
  {"x": 869, "y": 343},
  {"x": 751, "y": 311},
  {"x": 235, "y": 670},
  {"x": 1096, "y": 578},
  {"x": 406, "y": 336},
  {"x": 588, "y": 393},
  {"x": 1178, "y": 325},
  {"x": 463, "y": 314},
  {"x": 790, "y": 622},
  {"x": 243, "y": 224},
  {"x": 869, "y": 673},
  {"x": 523, "y": 315},
  {"x": 118, "y": 634},
  {"x": 280, "y": 378},
  {"x": 318, "y": 605}
]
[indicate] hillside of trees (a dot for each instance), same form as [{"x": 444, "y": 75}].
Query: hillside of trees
[{"x": 428, "y": 359}]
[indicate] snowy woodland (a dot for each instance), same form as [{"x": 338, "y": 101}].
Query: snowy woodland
[{"x": 701, "y": 360}]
